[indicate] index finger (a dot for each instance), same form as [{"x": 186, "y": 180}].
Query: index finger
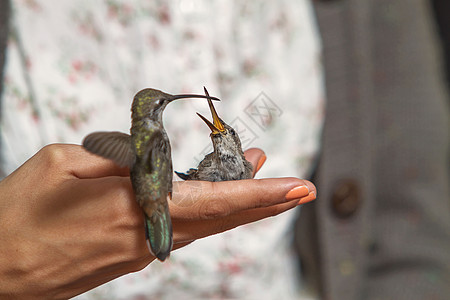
[
  {"x": 207, "y": 200},
  {"x": 74, "y": 160}
]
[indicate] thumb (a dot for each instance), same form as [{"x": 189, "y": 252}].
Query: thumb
[{"x": 256, "y": 157}]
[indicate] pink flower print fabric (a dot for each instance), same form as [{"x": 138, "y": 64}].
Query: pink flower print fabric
[{"x": 73, "y": 67}]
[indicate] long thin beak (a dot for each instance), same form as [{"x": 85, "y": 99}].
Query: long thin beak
[
  {"x": 182, "y": 96},
  {"x": 216, "y": 120}
]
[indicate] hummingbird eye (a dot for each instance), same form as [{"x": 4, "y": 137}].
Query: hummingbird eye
[{"x": 232, "y": 132}]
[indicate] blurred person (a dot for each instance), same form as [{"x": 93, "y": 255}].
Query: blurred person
[{"x": 380, "y": 229}]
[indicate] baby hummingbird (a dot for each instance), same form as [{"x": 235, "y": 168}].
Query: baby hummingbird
[
  {"x": 227, "y": 161},
  {"x": 147, "y": 153}
]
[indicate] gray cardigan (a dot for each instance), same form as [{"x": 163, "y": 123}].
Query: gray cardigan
[{"x": 380, "y": 226}]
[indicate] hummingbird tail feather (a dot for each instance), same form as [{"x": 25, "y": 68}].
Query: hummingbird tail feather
[{"x": 158, "y": 232}]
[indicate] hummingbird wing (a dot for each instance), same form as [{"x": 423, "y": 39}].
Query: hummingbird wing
[
  {"x": 113, "y": 145},
  {"x": 188, "y": 175},
  {"x": 192, "y": 174}
]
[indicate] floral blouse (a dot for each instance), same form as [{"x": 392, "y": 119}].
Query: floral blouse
[{"x": 73, "y": 67}]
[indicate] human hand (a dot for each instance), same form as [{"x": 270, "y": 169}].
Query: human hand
[{"x": 70, "y": 223}]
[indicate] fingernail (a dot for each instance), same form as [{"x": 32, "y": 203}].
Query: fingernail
[
  {"x": 261, "y": 162},
  {"x": 311, "y": 196},
  {"x": 297, "y": 192}
]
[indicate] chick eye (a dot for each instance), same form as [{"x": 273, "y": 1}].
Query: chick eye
[{"x": 233, "y": 132}]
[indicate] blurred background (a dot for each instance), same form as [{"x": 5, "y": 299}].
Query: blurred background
[{"x": 352, "y": 94}]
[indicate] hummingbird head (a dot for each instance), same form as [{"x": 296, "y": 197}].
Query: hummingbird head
[
  {"x": 225, "y": 139},
  {"x": 150, "y": 103}
]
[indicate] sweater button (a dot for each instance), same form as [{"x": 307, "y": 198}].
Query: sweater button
[{"x": 346, "y": 199}]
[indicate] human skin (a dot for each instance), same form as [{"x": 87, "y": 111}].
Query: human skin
[{"x": 70, "y": 222}]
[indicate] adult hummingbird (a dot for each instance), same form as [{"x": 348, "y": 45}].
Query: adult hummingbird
[
  {"x": 227, "y": 161},
  {"x": 146, "y": 151}
]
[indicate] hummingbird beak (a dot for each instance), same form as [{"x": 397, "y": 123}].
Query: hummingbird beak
[
  {"x": 218, "y": 126},
  {"x": 183, "y": 96},
  {"x": 211, "y": 126}
]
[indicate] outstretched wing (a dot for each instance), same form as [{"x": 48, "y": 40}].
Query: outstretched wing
[{"x": 113, "y": 145}]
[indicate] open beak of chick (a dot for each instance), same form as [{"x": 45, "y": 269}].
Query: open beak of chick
[{"x": 217, "y": 125}]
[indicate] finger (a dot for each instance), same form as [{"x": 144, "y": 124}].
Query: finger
[
  {"x": 256, "y": 157},
  {"x": 78, "y": 162},
  {"x": 208, "y": 200},
  {"x": 192, "y": 230}
]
